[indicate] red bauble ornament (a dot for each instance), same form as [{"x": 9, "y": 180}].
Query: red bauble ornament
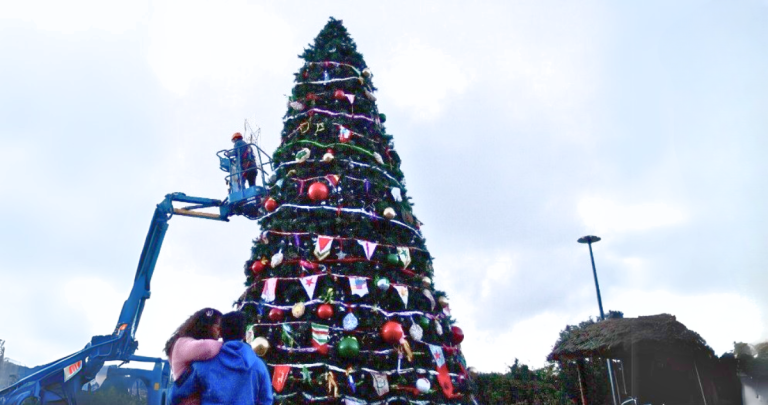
[
  {"x": 339, "y": 94},
  {"x": 258, "y": 266},
  {"x": 392, "y": 332},
  {"x": 457, "y": 335},
  {"x": 276, "y": 314},
  {"x": 325, "y": 311},
  {"x": 305, "y": 74},
  {"x": 311, "y": 97},
  {"x": 270, "y": 204},
  {"x": 317, "y": 191}
]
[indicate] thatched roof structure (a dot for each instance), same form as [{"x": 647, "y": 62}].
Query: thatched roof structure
[{"x": 618, "y": 337}]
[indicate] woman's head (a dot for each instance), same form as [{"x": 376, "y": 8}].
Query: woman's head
[{"x": 203, "y": 324}]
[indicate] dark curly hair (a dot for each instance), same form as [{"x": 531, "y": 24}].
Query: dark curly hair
[{"x": 198, "y": 326}]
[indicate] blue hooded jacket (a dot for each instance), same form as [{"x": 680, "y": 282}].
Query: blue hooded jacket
[{"x": 234, "y": 377}]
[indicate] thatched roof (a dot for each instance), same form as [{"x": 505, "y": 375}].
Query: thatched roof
[{"x": 617, "y": 337}]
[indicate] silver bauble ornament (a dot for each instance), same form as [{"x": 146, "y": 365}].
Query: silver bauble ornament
[
  {"x": 423, "y": 385},
  {"x": 383, "y": 284}
]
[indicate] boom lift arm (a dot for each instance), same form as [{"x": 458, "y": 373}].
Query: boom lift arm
[{"x": 59, "y": 381}]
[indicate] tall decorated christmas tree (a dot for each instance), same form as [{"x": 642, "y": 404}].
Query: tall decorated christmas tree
[{"x": 340, "y": 293}]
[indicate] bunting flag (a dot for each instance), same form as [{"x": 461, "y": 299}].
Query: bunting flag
[
  {"x": 380, "y": 383},
  {"x": 358, "y": 285},
  {"x": 268, "y": 293},
  {"x": 351, "y": 98},
  {"x": 404, "y": 254},
  {"x": 368, "y": 247},
  {"x": 280, "y": 376},
  {"x": 442, "y": 370},
  {"x": 323, "y": 246},
  {"x": 320, "y": 337},
  {"x": 402, "y": 290},
  {"x": 344, "y": 134},
  {"x": 309, "y": 283},
  {"x": 333, "y": 179},
  {"x": 429, "y": 296}
]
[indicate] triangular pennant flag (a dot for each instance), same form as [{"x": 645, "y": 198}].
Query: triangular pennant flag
[
  {"x": 268, "y": 293},
  {"x": 368, "y": 247},
  {"x": 309, "y": 283},
  {"x": 404, "y": 254},
  {"x": 323, "y": 246},
  {"x": 358, "y": 285},
  {"x": 320, "y": 337},
  {"x": 402, "y": 290},
  {"x": 280, "y": 377},
  {"x": 351, "y": 98},
  {"x": 442, "y": 370},
  {"x": 333, "y": 179},
  {"x": 380, "y": 383}
]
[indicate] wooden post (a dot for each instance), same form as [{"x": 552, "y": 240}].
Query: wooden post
[
  {"x": 701, "y": 387},
  {"x": 581, "y": 385}
]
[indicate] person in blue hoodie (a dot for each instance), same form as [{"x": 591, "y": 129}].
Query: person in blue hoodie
[{"x": 234, "y": 377}]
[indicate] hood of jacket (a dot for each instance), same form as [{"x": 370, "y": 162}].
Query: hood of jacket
[{"x": 236, "y": 355}]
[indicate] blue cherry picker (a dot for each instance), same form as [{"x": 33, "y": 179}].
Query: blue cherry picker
[{"x": 60, "y": 381}]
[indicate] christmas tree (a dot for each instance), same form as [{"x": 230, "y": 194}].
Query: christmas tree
[{"x": 340, "y": 293}]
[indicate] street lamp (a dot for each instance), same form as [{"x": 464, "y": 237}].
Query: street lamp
[{"x": 589, "y": 240}]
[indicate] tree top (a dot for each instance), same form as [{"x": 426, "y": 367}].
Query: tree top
[{"x": 333, "y": 43}]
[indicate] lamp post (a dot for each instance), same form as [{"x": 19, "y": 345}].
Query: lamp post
[{"x": 589, "y": 240}]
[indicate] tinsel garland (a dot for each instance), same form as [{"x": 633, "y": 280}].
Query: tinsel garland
[
  {"x": 350, "y": 162},
  {"x": 372, "y": 308},
  {"x": 331, "y": 113},
  {"x": 362, "y": 211},
  {"x": 336, "y": 238},
  {"x": 326, "y": 146}
]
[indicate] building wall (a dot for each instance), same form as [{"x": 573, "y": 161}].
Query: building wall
[{"x": 754, "y": 391}]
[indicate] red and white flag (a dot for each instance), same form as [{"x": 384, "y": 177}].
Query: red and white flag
[
  {"x": 280, "y": 377},
  {"x": 309, "y": 283},
  {"x": 358, "y": 285},
  {"x": 323, "y": 246},
  {"x": 268, "y": 293},
  {"x": 368, "y": 247},
  {"x": 442, "y": 370}
]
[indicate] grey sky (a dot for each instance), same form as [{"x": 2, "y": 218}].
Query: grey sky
[{"x": 522, "y": 126}]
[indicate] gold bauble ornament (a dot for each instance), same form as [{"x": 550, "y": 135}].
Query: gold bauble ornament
[
  {"x": 366, "y": 72},
  {"x": 260, "y": 346},
  {"x": 298, "y": 309},
  {"x": 443, "y": 301},
  {"x": 426, "y": 282}
]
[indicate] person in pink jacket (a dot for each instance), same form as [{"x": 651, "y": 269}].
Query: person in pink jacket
[{"x": 196, "y": 339}]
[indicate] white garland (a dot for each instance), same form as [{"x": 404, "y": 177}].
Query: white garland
[
  {"x": 349, "y": 161},
  {"x": 345, "y": 210}
]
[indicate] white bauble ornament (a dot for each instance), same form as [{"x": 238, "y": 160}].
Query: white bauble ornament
[
  {"x": 396, "y": 194},
  {"x": 389, "y": 213},
  {"x": 423, "y": 385},
  {"x": 443, "y": 301},
  {"x": 426, "y": 282},
  {"x": 277, "y": 259},
  {"x": 260, "y": 346},
  {"x": 328, "y": 157},
  {"x": 416, "y": 332},
  {"x": 438, "y": 328},
  {"x": 383, "y": 284},
  {"x": 378, "y": 158}
]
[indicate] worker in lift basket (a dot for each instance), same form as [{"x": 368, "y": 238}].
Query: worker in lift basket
[{"x": 245, "y": 157}]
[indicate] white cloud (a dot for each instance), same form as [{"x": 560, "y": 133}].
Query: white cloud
[
  {"x": 95, "y": 299},
  {"x": 227, "y": 43},
  {"x": 77, "y": 15},
  {"x": 420, "y": 78},
  {"x": 605, "y": 216}
]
